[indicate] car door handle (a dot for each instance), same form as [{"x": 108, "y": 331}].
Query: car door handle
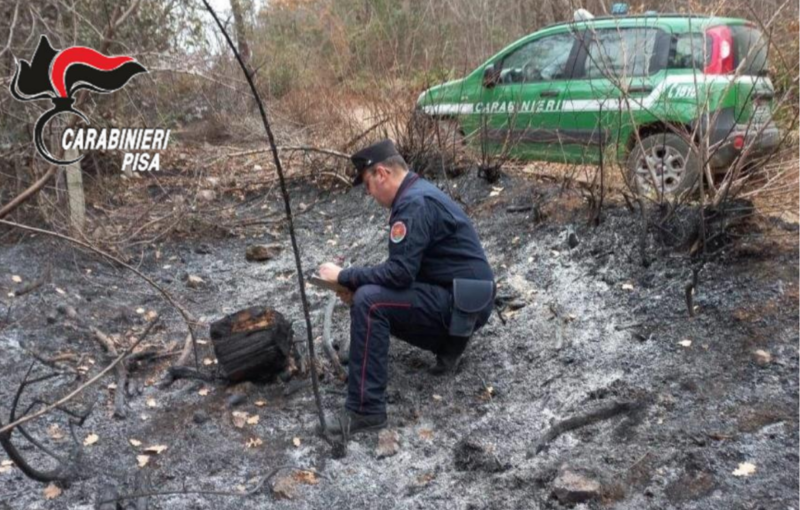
[
  {"x": 550, "y": 93},
  {"x": 639, "y": 89}
]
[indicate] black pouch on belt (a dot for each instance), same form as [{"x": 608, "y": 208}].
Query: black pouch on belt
[{"x": 470, "y": 298}]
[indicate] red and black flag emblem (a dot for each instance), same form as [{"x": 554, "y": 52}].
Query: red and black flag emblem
[{"x": 57, "y": 75}]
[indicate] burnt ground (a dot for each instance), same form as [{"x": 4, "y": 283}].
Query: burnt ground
[{"x": 596, "y": 328}]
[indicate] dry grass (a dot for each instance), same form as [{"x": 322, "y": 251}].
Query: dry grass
[{"x": 776, "y": 192}]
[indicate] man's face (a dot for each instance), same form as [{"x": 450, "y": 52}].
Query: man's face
[{"x": 377, "y": 184}]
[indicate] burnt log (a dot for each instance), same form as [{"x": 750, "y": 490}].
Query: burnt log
[{"x": 253, "y": 344}]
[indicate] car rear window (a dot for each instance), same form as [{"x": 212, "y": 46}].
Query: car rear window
[
  {"x": 750, "y": 49},
  {"x": 692, "y": 50},
  {"x": 620, "y": 53}
]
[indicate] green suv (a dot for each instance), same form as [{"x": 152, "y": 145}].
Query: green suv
[{"x": 650, "y": 90}]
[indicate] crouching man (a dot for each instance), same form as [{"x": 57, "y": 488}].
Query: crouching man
[{"x": 434, "y": 291}]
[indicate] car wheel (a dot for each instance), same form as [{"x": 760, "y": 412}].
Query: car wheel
[{"x": 663, "y": 164}]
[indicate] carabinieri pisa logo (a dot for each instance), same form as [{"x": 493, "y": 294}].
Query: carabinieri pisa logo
[{"x": 58, "y": 75}]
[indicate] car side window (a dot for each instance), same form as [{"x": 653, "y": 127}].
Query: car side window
[
  {"x": 689, "y": 51},
  {"x": 620, "y": 53},
  {"x": 544, "y": 59}
]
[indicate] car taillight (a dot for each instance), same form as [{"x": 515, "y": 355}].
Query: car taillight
[{"x": 721, "y": 61}]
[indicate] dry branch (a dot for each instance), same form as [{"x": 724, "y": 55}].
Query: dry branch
[
  {"x": 79, "y": 389},
  {"x": 28, "y": 193},
  {"x": 291, "y": 148},
  {"x": 122, "y": 371},
  {"x": 11, "y": 29},
  {"x": 64, "y": 470}
]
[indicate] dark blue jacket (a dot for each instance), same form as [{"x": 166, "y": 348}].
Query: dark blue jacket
[{"x": 431, "y": 240}]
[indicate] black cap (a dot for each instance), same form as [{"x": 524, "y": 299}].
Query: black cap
[{"x": 372, "y": 155}]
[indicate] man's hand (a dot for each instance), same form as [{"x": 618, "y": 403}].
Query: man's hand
[{"x": 330, "y": 272}]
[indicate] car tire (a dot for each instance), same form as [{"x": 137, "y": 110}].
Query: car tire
[{"x": 675, "y": 163}]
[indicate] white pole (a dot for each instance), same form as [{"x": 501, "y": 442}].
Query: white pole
[{"x": 77, "y": 204}]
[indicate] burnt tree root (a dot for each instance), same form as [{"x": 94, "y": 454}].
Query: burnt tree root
[
  {"x": 175, "y": 373},
  {"x": 582, "y": 420},
  {"x": 690, "y": 290}
]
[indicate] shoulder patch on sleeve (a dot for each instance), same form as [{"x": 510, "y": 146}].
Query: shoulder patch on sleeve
[{"x": 398, "y": 231}]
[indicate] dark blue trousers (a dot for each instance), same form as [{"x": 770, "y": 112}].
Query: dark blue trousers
[{"x": 419, "y": 315}]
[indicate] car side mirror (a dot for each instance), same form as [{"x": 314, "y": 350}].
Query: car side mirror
[{"x": 490, "y": 76}]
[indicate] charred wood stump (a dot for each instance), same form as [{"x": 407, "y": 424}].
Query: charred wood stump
[{"x": 252, "y": 344}]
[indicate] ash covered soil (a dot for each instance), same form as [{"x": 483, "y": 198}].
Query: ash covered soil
[{"x": 590, "y": 327}]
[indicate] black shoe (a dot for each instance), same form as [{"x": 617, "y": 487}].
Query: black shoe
[
  {"x": 347, "y": 423},
  {"x": 445, "y": 365},
  {"x": 449, "y": 356}
]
